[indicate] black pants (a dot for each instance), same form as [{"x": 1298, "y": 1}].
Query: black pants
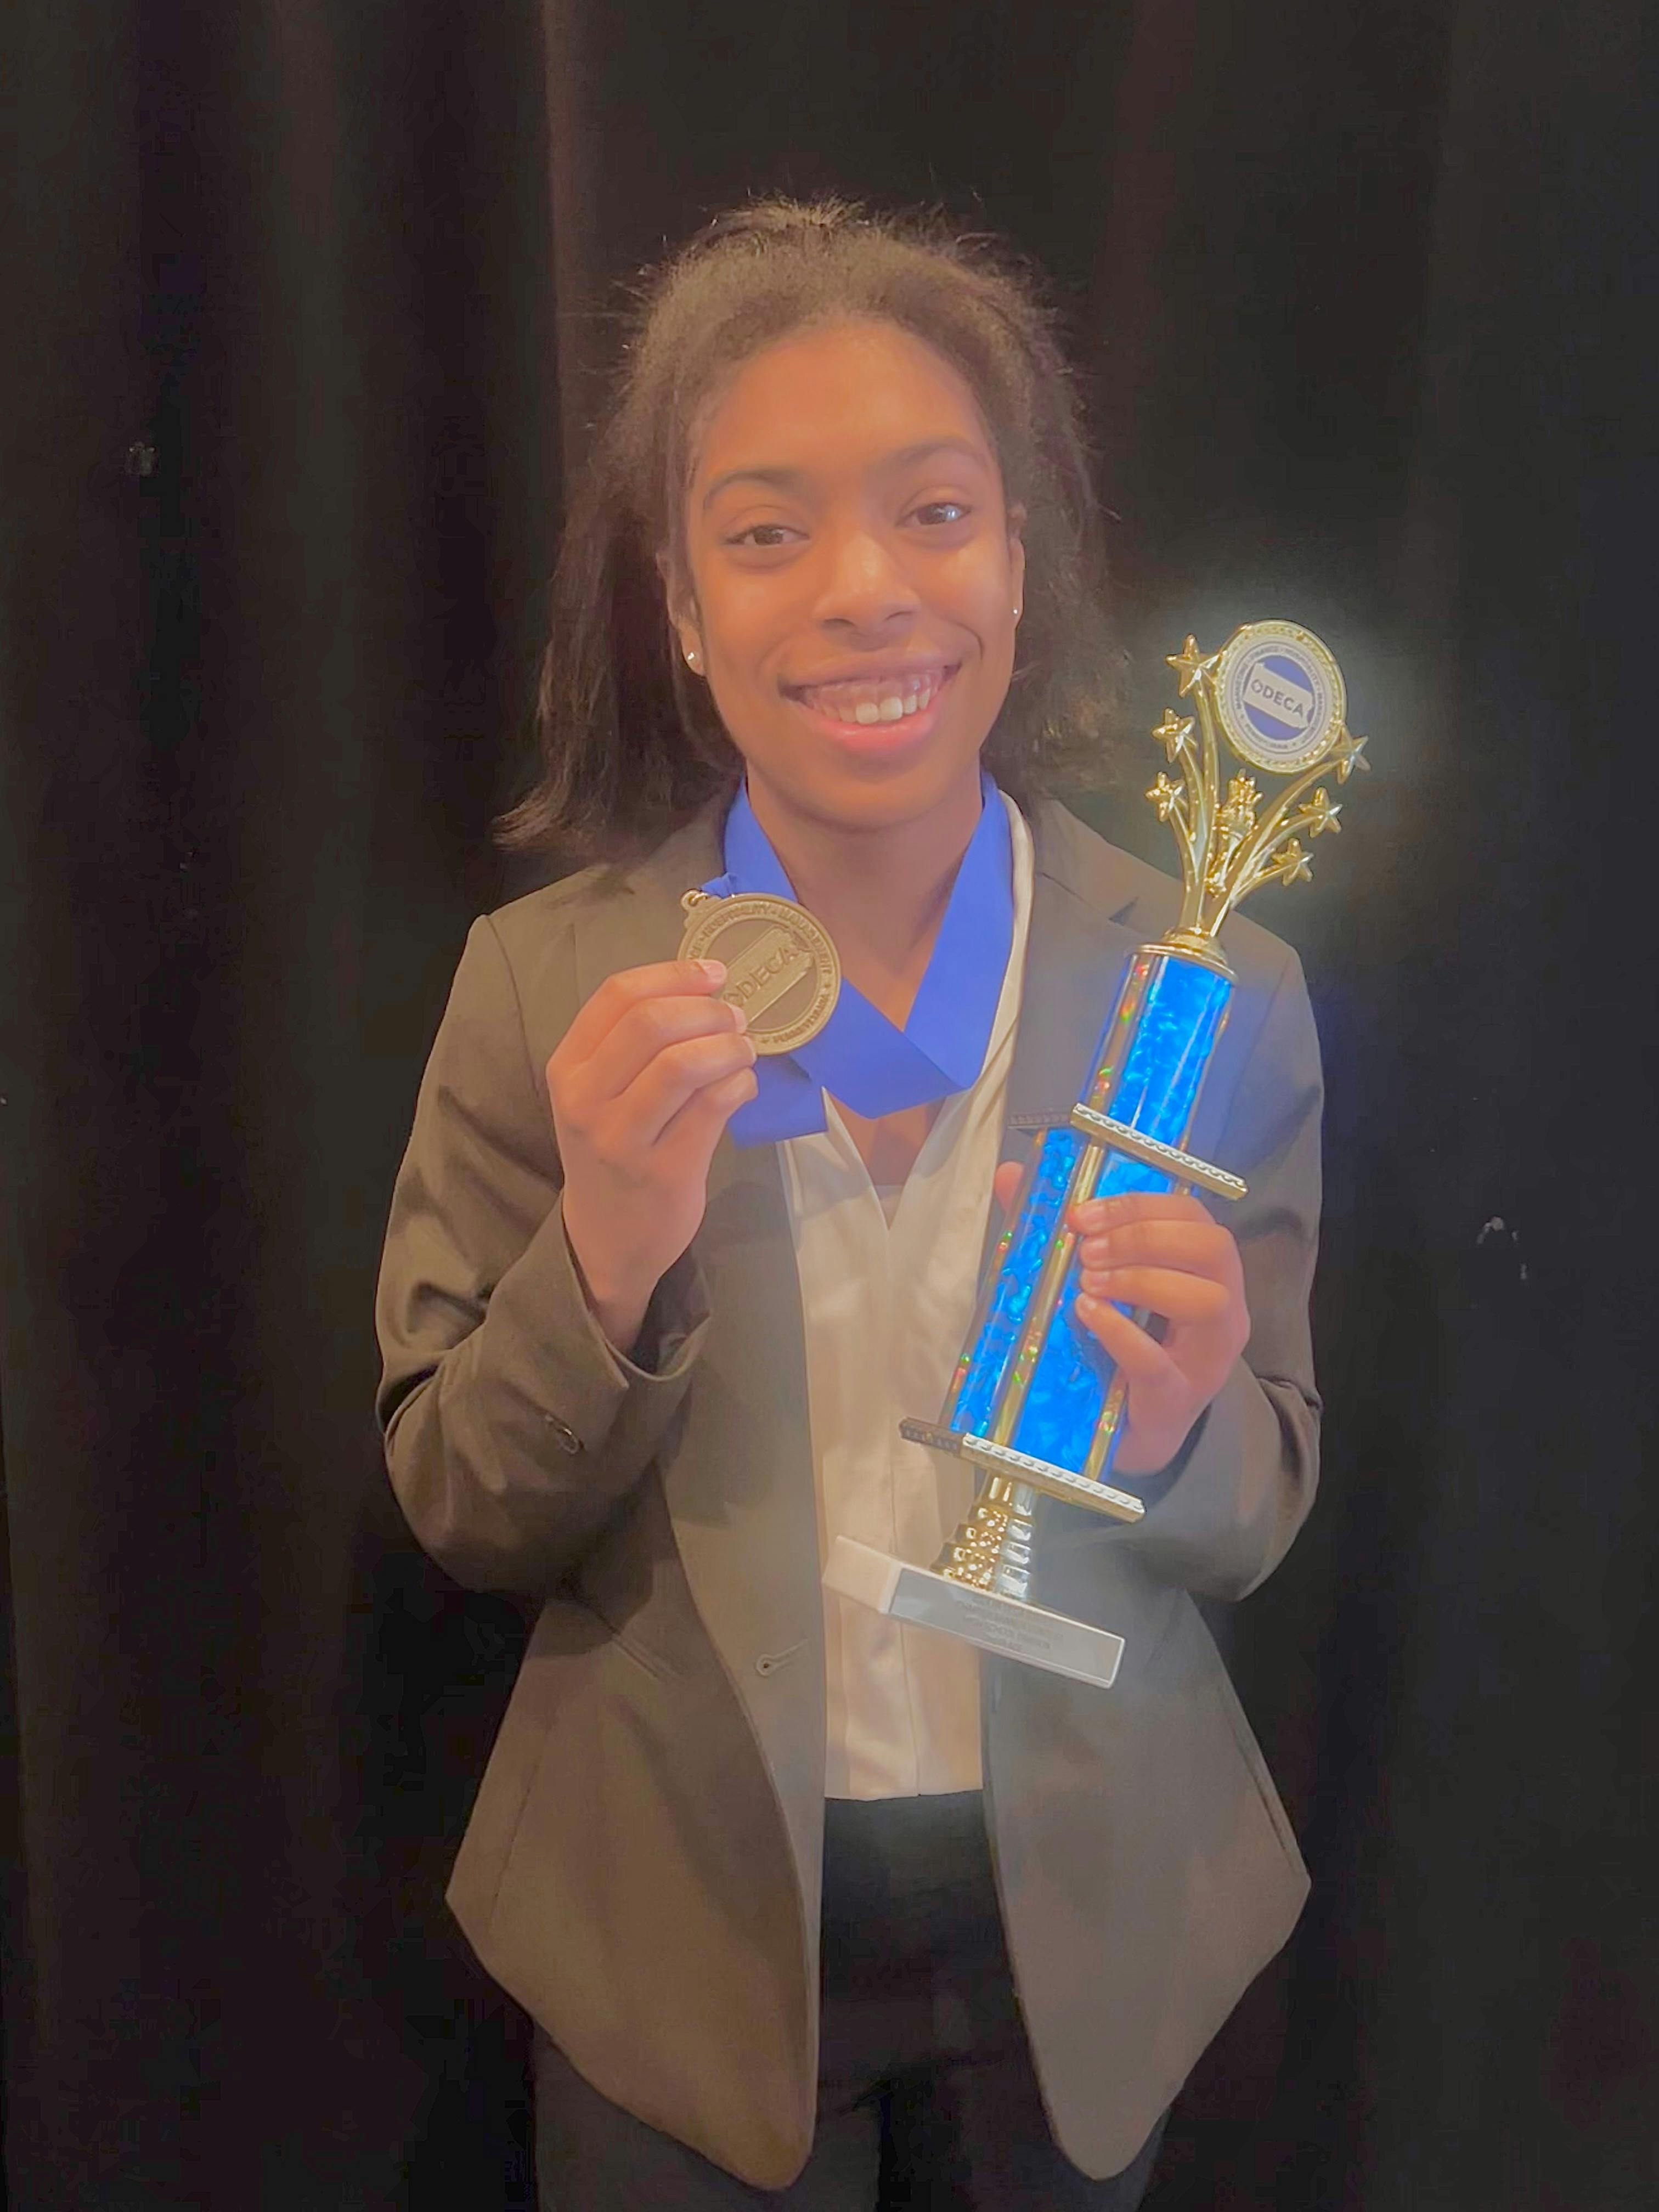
[{"x": 927, "y": 2096}]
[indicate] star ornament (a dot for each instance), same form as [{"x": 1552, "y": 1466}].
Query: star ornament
[
  {"x": 1166, "y": 795},
  {"x": 1320, "y": 815},
  {"x": 1191, "y": 665},
  {"x": 1293, "y": 865},
  {"x": 1172, "y": 733},
  {"x": 1347, "y": 754}
]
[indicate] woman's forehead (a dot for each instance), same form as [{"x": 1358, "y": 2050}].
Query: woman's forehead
[{"x": 837, "y": 395}]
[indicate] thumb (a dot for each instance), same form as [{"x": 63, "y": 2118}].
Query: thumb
[{"x": 1005, "y": 1184}]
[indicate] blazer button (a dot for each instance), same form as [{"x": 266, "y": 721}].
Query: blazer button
[{"x": 564, "y": 1435}]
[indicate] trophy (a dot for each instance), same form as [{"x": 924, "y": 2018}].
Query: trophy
[{"x": 1035, "y": 1403}]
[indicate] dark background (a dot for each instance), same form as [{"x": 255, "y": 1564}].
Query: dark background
[{"x": 305, "y": 307}]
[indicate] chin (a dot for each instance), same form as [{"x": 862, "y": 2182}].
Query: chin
[{"x": 884, "y": 795}]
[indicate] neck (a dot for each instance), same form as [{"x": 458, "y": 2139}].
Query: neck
[{"x": 881, "y": 892}]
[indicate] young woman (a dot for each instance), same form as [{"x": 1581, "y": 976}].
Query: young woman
[{"x": 811, "y": 1908}]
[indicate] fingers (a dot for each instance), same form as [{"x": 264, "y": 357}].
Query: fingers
[
  {"x": 1189, "y": 1301},
  {"x": 1182, "y": 1243},
  {"x": 672, "y": 1080},
  {"x": 694, "y": 1130},
  {"x": 1157, "y": 1253},
  {"x": 654, "y": 1050},
  {"x": 1128, "y": 1207},
  {"x": 1172, "y": 1247},
  {"x": 646, "y": 1041},
  {"x": 634, "y": 987},
  {"x": 1145, "y": 1363},
  {"x": 1175, "y": 1260},
  {"x": 653, "y": 1029}
]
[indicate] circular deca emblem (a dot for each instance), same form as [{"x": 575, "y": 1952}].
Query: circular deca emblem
[
  {"x": 1279, "y": 695},
  {"x": 781, "y": 967}
]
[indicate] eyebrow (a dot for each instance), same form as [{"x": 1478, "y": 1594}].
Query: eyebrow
[{"x": 785, "y": 479}]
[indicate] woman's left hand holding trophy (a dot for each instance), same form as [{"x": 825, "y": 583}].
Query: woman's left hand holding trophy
[{"x": 1161, "y": 1254}]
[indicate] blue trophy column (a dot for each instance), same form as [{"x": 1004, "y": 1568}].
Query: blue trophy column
[{"x": 1032, "y": 1379}]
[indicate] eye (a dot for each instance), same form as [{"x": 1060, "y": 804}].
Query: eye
[
  {"x": 764, "y": 535},
  {"x": 938, "y": 514}
]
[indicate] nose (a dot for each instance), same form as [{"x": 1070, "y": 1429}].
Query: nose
[{"x": 865, "y": 587}]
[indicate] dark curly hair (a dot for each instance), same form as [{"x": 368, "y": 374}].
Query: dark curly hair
[{"x": 630, "y": 746}]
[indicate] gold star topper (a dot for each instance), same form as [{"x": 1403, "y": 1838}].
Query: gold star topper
[
  {"x": 1274, "y": 697},
  {"x": 1192, "y": 665},
  {"x": 1166, "y": 795},
  {"x": 1172, "y": 733}
]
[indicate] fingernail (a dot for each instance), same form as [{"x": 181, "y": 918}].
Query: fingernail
[
  {"x": 715, "y": 969},
  {"x": 738, "y": 1017}
]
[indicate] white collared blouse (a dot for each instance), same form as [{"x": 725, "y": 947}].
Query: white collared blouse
[{"x": 887, "y": 1285}]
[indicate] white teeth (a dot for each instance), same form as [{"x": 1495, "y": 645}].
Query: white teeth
[{"x": 858, "y": 703}]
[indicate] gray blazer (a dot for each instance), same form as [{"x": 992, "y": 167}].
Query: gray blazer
[{"x": 642, "y": 1869}]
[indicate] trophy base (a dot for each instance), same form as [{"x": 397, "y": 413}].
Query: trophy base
[{"x": 1002, "y": 1625}]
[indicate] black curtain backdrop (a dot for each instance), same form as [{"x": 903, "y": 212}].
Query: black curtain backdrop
[{"x": 308, "y": 307}]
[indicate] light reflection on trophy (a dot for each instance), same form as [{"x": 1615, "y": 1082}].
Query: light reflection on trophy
[{"x": 1036, "y": 1403}]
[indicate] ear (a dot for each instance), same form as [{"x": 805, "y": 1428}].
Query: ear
[{"x": 682, "y": 611}]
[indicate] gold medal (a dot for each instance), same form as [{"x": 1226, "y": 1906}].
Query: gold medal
[{"x": 781, "y": 967}]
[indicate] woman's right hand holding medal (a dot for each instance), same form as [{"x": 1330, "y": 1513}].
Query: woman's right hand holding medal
[{"x": 642, "y": 1085}]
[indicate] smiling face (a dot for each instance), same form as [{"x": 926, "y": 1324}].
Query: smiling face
[{"x": 850, "y": 577}]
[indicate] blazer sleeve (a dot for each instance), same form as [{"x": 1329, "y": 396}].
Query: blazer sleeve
[
  {"x": 1224, "y": 1513},
  {"x": 511, "y": 1427}
]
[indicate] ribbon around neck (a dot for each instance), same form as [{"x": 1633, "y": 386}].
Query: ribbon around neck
[{"x": 858, "y": 1056}]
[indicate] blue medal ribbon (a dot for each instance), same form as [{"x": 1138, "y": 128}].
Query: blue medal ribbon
[{"x": 858, "y": 1056}]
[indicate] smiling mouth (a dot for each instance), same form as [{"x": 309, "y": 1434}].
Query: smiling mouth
[{"x": 875, "y": 699}]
